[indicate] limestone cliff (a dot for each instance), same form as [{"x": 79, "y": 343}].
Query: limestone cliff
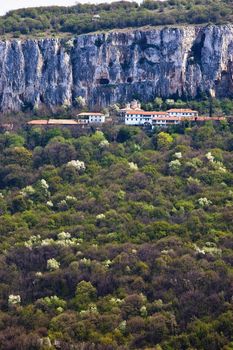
[{"x": 116, "y": 67}]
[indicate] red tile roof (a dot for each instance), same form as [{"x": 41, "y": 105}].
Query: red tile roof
[
  {"x": 141, "y": 112},
  {"x": 181, "y": 110},
  {"x": 158, "y": 113},
  {"x": 197, "y": 119},
  {"x": 90, "y": 113},
  {"x": 53, "y": 122},
  {"x": 38, "y": 122},
  {"x": 167, "y": 118},
  {"x": 62, "y": 122},
  {"x": 135, "y": 111}
]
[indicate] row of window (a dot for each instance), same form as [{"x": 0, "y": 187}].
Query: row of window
[
  {"x": 142, "y": 116},
  {"x": 138, "y": 119},
  {"x": 183, "y": 114},
  {"x": 166, "y": 121}
]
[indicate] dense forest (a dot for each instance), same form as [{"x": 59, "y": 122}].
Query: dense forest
[
  {"x": 84, "y": 18},
  {"x": 117, "y": 239}
]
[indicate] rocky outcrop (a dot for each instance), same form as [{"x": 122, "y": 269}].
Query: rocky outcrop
[{"x": 117, "y": 67}]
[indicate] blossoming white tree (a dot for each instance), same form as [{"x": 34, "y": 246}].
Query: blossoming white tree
[
  {"x": 77, "y": 164},
  {"x": 14, "y": 299},
  {"x": 175, "y": 164},
  {"x": 178, "y": 155},
  {"x": 53, "y": 264},
  {"x": 204, "y": 202},
  {"x": 133, "y": 166},
  {"x": 104, "y": 144}
]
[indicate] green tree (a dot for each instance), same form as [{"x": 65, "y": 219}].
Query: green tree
[
  {"x": 85, "y": 294},
  {"x": 164, "y": 140}
]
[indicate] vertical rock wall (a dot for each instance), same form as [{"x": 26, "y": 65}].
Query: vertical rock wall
[{"x": 116, "y": 67}]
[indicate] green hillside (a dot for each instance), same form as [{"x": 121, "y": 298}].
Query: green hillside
[
  {"x": 88, "y": 18},
  {"x": 117, "y": 239}
]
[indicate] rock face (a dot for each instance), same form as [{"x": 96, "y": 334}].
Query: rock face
[{"x": 117, "y": 67}]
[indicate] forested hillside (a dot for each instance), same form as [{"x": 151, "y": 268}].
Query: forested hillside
[
  {"x": 84, "y": 18},
  {"x": 117, "y": 239}
]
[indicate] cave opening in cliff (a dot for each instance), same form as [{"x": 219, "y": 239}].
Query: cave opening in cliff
[
  {"x": 42, "y": 100},
  {"x": 129, "y": 80},
  {"x": 103, "y": 81},
  {"x": 196, "y": 50}
]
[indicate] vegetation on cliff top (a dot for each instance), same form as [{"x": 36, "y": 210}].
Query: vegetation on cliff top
[
  {"x": 117, "y": 239},
  {"x": 85, "y": 18}
]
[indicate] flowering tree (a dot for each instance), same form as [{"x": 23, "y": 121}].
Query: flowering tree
[
  {"x": 52, "y": 264},
  {"x": 77, "y": 164},
  {"x": 14, "y": 299}
]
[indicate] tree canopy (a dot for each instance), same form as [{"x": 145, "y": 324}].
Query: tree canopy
[
  {"x": 85, "y": 18},
  {"x": 117, "y": 239}
]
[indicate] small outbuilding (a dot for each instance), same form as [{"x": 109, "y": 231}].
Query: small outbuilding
[{"x": 91, "y": 117}]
